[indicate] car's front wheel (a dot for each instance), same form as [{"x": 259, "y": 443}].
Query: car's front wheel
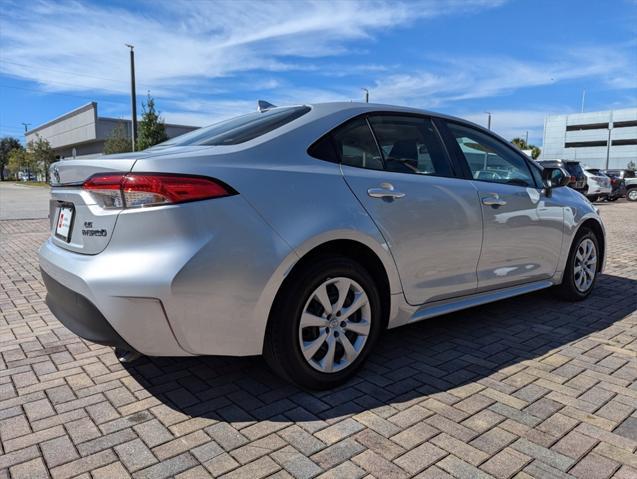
[
  {"x": 324, "y": 323},
  {"x": 581, "y": 268}
]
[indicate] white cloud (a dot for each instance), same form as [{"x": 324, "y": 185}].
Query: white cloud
[
  {"x": 481, "y": 77},
  {"x": 180, "y": 42}
]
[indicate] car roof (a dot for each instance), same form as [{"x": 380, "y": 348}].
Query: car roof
[{"x": 355, "y": 108}]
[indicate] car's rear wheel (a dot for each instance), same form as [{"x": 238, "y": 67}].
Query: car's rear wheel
[
  {"x": 631, "y": 195},
  {"x": 324, "y": 323},
  {"x": 581, "y": 267}
]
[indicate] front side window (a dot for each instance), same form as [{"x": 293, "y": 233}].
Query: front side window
[
  {"x": 489, "y": 160},
  {"x": 410, "y": 144},
  {"x": 240, "y": 129},
  {"x": 355, "y": 145}
]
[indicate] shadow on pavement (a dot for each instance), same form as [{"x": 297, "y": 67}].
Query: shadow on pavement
[{"x": 408, "y": 363}]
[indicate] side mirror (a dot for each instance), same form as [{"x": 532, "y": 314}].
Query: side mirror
[{"x": 555, "y": 178}]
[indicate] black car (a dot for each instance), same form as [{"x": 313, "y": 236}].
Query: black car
[
  {"x": 619, "y": 180},
  {"x": 578, "y": 178}
]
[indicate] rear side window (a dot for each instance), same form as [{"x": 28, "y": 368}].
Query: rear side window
[
  {"x": 410, "y": 144},
  {"x": 574, "y": 169},
  {"x": 240, "y": 129},
  {"x": 355, "y": 145}
]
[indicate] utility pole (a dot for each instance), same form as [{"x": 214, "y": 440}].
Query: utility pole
[
  {"x": 583, "y": 98},
  {"x": 488, "y": 120},
  {"x": 133, "y": 97},
  {"x": 526, "y": 138},
  {"x": 26, "y": 128},
  {"x": 366, "y": 94}
]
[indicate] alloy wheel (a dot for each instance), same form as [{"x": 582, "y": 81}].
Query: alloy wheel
[
  {"x": 585, "y": 265},
  {"x": 632, "y": 194},
  {"x": 335, "y": 325}
]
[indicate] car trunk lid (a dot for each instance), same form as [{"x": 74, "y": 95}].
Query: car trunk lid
[{"x": 78, "y": 223}]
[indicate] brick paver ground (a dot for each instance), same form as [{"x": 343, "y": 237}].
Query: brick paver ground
[{"x": 529, "y": 387}]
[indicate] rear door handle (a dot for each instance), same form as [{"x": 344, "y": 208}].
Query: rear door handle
[
  {"x": 386, "y": 190},
  {"x": 493, "y": 201}
]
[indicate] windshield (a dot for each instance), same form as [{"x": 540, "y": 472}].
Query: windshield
[
  {"x": 239, "y": 129},
  {"x": 595, "y": 171}
]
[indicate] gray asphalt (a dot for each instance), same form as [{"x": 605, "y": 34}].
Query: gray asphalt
[{"x": 23, "y": 202}]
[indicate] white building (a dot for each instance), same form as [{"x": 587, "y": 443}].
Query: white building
[
  {"x": 601, "y": 139},
  {"x": 82, "y": 133}
]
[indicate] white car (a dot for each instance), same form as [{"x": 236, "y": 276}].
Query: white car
[{"x": 598, "y": 184}]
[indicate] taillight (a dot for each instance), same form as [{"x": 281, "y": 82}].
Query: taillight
[{"x": 135, "y": 190}]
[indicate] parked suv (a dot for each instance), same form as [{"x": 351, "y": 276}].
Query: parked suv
[
  {"x": 598, "y": 184},
  {"x": 302, "y": 232},
  {"x": 577, "y": 179},
  {"x": 627, "y": 180}
]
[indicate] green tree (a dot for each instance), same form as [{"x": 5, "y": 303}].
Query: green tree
[
  {"x": 43, "y": 156},
  {"x": 20, "y": 160},
  {"x": 151, "y": 128},
  {"x": 523, "y": 145},
  {"x": 118, "y": 141},
  {"x": 7, "y": 145},
  {"x": 520, "y": 143},
  {"x": 535, "y": 151}
]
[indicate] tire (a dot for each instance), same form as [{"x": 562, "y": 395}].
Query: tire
[
  {"x": 592, "y": 198},
  {"x": 613, "y": 198},
  {"x": 300, "y": 298},
  {"x": 572, "y": 289},
  {"x": 631, "y": 194}
]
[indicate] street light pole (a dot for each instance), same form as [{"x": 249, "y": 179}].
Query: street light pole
[
  {"x": 26, "y": 128},
  {"x": 583, "y": 98},
  {"x": 366, "y": 94},
  {"x": 488, "y": 120},
  {"x": 133, "y": 97}
]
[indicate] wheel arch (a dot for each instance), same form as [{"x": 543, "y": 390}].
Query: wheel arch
[
  {"x": 598, "y": 230},
  {"x": 350, "y": 248}
]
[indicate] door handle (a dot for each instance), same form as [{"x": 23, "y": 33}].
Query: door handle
[
  {"x": 494, "y": 201},
  {"x": 386, "y": 190}
]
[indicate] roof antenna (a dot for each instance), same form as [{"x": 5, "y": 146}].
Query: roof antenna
[{"x": 263, "y": 105}]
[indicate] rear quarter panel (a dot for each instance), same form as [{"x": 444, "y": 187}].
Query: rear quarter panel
[{"x": 304, "y": 202}]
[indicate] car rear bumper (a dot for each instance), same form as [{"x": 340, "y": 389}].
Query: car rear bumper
[
  {"x": 79, "y": 315},
  {"x": 82, "y": 294},
  {"x": 176, "y": 280}
]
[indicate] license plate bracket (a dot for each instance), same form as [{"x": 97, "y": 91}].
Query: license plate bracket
[{"x": 64, "y": 221}]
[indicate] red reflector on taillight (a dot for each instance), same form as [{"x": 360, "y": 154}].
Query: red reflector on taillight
[
  {"x": 104, "y": 182},
  {"x": 152, "y": 189},
  {"x": 175, "y": 188}
]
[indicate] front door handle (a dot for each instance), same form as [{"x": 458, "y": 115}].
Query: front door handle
[
  {"x": 386, "y": 190},
  {"x": 494, "y": 201}
]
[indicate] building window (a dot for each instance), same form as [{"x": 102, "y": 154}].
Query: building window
[
  {"x": 624, "y": 142},
  {"x": 624, "y": 124},
  {"x": 584, "y": 144},
  {"x": 589, "y": 126}
]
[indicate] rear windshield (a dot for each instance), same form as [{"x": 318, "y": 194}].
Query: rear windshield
[
  {"x": 574, "y": 169},
  {"x": 594, "y": 171},
  {"x": 239, "y": 129}
]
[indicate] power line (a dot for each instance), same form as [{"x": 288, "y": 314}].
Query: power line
[
  {"x": 65, "y": 71},
  {"x": 57, "y": 82},
  {"x": 62, "y": 94}
]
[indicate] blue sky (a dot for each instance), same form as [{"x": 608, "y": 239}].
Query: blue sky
[{"x": 206, "y": 60}]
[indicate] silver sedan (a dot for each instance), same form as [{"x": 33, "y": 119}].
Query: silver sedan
[{"x": 302, "y": 232}]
